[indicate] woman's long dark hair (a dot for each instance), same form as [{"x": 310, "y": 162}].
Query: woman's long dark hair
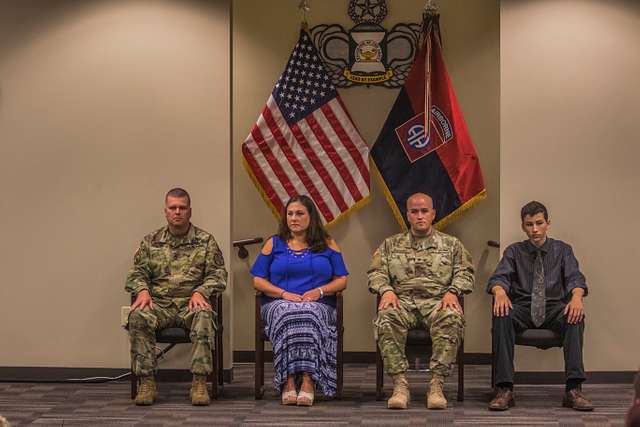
[{"x": 316, "y": 235}]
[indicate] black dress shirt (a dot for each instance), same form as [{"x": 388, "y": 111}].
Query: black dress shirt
[{"x": 515, "y": 271}]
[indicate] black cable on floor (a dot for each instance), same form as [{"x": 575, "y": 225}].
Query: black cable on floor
[{"x": 90, "y": 380}]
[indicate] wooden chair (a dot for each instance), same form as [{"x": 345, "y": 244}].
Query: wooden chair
[
  {"x": 173, "y": 336},
  {"x": 540, "y": 338},
  {"x": 261, "y": 338},
  {"x": 419, "y": 340}
]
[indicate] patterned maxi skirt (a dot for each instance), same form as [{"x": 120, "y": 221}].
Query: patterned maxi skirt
[{"x": 304, "y": 338}]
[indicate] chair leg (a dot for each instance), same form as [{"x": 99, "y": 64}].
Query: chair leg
[
  {"x": 219, "y": 336},
  {"x": 259, "y": 371},
  {"x": 493, "y": 370},
  {"x": 493, "y": 359},
  {"x": 134, "y": 385},
  {"x": 461, "y": 372},
  {"x": 340, "y": 345},
  {"x": 379, "y": 375},
  {"x": 339, "y": 366},
  {"x": 213, "y": 376},
  {"x": 220, "y": 359}
]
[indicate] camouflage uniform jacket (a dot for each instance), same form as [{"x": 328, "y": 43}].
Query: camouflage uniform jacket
[
  {"x": 421, "y": 271},
  {"x": 172, "y": 268}
]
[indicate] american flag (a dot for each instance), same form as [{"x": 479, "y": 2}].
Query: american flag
[{"x": 305, "y": 142}]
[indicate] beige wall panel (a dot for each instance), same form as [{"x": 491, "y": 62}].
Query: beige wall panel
[
  {"x": 263, "y": 36},
  {"x": 569, "y": 115},
  {"x": 103, "y": 107}
]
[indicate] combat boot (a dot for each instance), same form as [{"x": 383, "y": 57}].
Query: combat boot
[
  {"x": 147, "y": 392},
  {"x": 400, "y": 397},
  {"x": 199, "y": 392},
  {"x": 435, "y": 396}
]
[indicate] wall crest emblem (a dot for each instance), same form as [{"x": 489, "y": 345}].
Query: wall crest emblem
[{"x": 367, "y": 54}]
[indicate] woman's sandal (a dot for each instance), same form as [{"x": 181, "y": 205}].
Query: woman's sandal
[
  {"x": 289, "y": 397},
  {"x": 305, "y": 399}
]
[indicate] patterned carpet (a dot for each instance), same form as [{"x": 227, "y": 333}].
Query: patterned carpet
[{"x": 108, "y": 404}]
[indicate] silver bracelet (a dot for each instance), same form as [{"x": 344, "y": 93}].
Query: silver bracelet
[
  {"x": 282, "y": 293},
  {"x": 321, "y": 292}
]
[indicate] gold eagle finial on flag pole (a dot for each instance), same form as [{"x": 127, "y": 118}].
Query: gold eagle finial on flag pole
[
  {"x": 304, "y": 7},
  {"x": 431, "y": 7}
]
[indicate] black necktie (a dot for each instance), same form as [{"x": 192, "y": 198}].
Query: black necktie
[{"x": 538, "y": 291}]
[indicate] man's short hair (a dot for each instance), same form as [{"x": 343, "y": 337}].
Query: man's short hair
[
  {"x": 533, "y": 208},
  {"x": 178, "y": 192},
  {"x": 411, "y": 197}
]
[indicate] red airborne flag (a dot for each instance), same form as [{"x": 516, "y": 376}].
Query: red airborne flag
[{"x": 442, "y": 161}]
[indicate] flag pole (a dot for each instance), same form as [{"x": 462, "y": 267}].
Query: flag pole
[
  {"x": 304, "y": 7},
  {"x": 430, "y": 18}
]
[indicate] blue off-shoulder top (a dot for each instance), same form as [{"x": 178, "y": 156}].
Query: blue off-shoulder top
[{"x": 299, "y": 271}]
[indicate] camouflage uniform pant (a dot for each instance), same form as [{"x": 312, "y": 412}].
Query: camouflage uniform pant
[
  {"x": 143, "y": 325},
  {"x": 446, "y": 328}
]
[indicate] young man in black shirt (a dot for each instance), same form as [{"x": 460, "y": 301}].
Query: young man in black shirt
[{"x": 538, "y": 284}]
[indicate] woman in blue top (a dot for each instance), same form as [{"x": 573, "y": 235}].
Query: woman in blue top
[{"x": 299, "y": 270}]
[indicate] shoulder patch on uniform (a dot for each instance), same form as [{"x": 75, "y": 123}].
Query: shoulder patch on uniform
[{"x": 218, "y": 260}]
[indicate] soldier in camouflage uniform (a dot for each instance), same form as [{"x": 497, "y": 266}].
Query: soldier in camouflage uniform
[
  {"x": 419, "y": 276},
  {"x": 175, "y": 271}
]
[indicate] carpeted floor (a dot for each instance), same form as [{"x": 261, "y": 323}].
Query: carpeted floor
[{"x": 108, "y": 404}]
